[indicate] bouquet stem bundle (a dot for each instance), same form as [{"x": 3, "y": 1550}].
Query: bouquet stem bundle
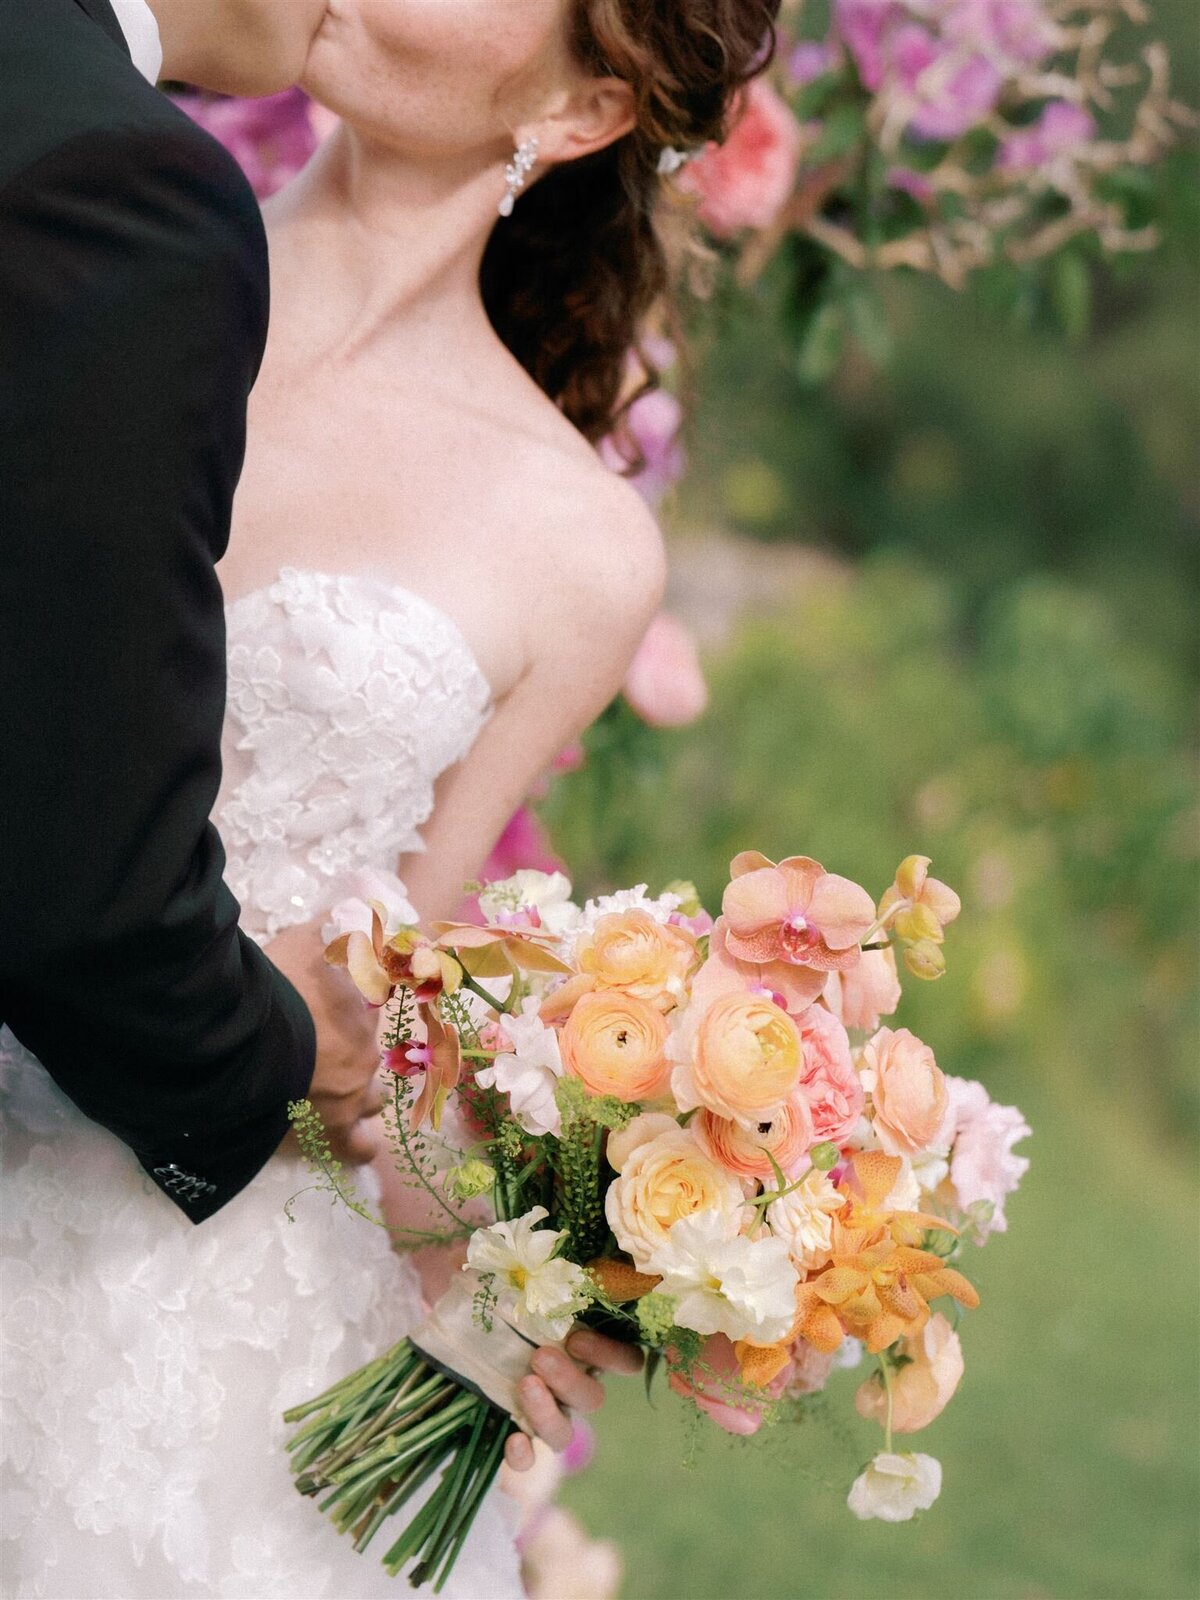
[{"x": 372, "y": 1441}]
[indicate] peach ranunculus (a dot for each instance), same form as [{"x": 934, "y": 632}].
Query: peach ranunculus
[
  {"x": 665, "y": 682},
  {"x": 629, "y": 950},
  {"x": 744, "y": 1060},
  {"x": 663, "y": 1174},
  {"x": 918, "y": 906},
  {"x": 616, "y": 1044},
  {"x": 828, "y": 1078},
  {"x": 869, "y": 991},
  {"x": 908, "y": 1091},
  {"x": 717, "y": 1386},
  {"x": 746, "y": 182},
  {"x": 787, "y": 1136},
  {"x": 923, "y": 1386},
  {"x": 796, "y": 913}
]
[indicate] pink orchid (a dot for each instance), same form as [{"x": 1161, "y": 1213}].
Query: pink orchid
[
  {"x": 791, "y": 987},
  {"x": 794, "y": 913},
  {"x": 443, "y": 1069}
]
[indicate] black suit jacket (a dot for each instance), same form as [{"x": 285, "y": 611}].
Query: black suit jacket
[{"x": 133, "y": 307}]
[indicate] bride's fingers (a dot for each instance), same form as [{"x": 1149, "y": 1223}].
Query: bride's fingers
[
  {"x": 546, "y": 1416},
  {"x": 518, "y": 1452},
  {"x": 605, "y": 1354},
  {"x": 567, "y": 1381}
]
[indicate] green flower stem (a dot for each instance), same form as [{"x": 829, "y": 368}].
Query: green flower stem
[
  {"x": 886, "y": 1372},
  {"x": 484, "y": 1478},
  {"x": 499, "y": 1006}
]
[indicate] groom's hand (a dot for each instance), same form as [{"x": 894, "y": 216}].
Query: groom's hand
[
  {"x": 563, "y": 1379},
  {"x": 343, "y": 1088}
]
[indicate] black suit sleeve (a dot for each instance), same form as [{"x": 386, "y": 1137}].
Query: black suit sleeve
[{"x": 132, "y": 318}]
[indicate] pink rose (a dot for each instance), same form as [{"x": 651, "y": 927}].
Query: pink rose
[
  {"x": 747, "y": 181},
  {"x": 983, "y": 1169},
  {"x": 908, "y": 1091},
  {"x": 665, "y": 682},
  {"x": 828, "y": 1080},
  {"x": 923, "y": 1387},
  {"x": 717, "y": 1388},
  {"x": 866, "y": 992}
]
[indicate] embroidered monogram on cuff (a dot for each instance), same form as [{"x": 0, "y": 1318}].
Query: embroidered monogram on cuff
[{"x": 183, "y": 1185}]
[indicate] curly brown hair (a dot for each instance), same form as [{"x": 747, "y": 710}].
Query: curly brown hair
[{"x": 570, "y": 279}]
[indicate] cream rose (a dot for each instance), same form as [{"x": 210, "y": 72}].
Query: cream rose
[
  {"x": 803, "y": 1219},
  {"x": 907, "y": 1089},
  {"x": 662, "y": 1178}
]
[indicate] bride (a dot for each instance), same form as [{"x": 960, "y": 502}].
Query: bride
[{"x": 433, "y": 583}]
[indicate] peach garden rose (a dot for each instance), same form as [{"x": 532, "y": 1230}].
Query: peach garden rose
[
  {"x": 908, "y": 1091},
  {"x": 663, "y": 1174}
]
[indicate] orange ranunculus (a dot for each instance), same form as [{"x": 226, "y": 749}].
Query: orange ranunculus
[
  {"x": 747, "y": 1057},
  {"x": 796, "y": 913},
  {"x": 919, "y": 905},
  {"x": 629, "y": 950},
  {"x": 879, "y": 1283},
  {"x": 617, "y": 1045},
  {"x": 787, "y": 1136}
]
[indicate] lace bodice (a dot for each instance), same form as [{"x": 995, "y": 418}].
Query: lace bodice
[
  {"x": 146, "y": 1363},
  {"x": 348, "y": 697}
]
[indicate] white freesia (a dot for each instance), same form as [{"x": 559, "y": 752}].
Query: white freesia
[
  {"x": 529, "y": 1072},
  {"x": 537, "y": 1291},
  {"x": 547, "y": 893},
  {"x": 803, "y": 1219},
  {"x": 895, "y": 1487},
  {"x": 371, "y": 885},
  {"x": 744, "y": 1288}
]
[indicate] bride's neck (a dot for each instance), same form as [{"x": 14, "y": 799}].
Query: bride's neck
[{"x": 367, "y": 245}]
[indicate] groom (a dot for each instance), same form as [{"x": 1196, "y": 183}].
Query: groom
[{"x": 133, "y": 310}]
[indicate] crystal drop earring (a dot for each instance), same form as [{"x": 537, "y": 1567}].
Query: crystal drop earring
[{"x": 516, "y": 173}]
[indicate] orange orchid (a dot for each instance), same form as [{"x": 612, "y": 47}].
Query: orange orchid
[
  {"x": 918, "y": 905},
  {"x": 379, "y": 966},
  {"x": 443, "y": 1069},
  {"x": 795, "y": 913},
  {"x": 879, "y": 1283},
  {"x": 494, "y": 952}
]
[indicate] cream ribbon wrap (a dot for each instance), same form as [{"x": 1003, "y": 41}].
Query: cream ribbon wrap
[{"x": 492, "y": 1362}]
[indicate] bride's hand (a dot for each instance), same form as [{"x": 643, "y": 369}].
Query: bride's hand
[{"x": 562, "y": 1379}]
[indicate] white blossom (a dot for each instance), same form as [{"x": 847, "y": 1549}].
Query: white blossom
[
  {"x": 803, "y": 1219},
  {"x": 895, "y": 1487},
  {"x": 529, "y": 1072},
  {"x": 536, "y": 1290},
  {"x": 744, "y": 1288},
  {"x": 547, "y": 893}
]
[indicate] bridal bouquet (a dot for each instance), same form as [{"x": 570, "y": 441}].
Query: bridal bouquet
[{"x": 694, "y": 1136}]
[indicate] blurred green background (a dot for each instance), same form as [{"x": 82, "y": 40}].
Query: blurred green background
[{"x": 958, "y": 617}]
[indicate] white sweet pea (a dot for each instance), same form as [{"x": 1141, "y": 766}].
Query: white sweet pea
[
  {"x": 895, "y": 1487},
  {"x": 744, "y": 1288},
  {"x": 538, "y": 1292},
  {"x": 371, "y": 886},
  {"x": 547, "y": 893},
  {"x": 528, "y": 1074},
  {"x": 803, "y": 1219}
]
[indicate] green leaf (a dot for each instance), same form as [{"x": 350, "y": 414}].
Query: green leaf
[
  {"x": 1071, "y": 294},
  {"x": 868, "y": 323},
  {"x": 821, "y": 347},
  {"x": 845, "y": 126}
]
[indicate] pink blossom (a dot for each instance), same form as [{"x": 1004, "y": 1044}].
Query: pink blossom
[
  {"x": 828, "y": 1080},
  {"x": 983, "y": 1169},
  {"x": 746, "y": 182},
  {"x": 270, "y": 139},
  {"x": 665, "y": 682},
  {"x": 524, "y": 843},
  {"x": 1060, "y": 130},
  {"x": 653, "y": 424},
  {"x": 577, "y": 1457},
  {"x": 717, "y": 1388},
  {"x": 809, "y": 61},
  {"x": 913, "y": 183},
  {"x": 867, "y": 992}
]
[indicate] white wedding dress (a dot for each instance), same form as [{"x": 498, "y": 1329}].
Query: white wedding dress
[{"x": 146, "y": 1362}]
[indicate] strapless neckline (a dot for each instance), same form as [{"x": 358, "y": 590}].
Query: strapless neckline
[{"x": 288, "y": 575}]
